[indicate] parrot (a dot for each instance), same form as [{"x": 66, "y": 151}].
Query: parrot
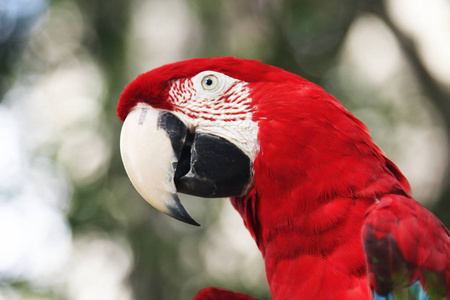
[{"x": 332, "y": 216}]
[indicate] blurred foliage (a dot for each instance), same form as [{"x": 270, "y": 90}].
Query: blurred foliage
[
  {"x": 304, "y": 37},
  {"x": 15, "y": 26}
]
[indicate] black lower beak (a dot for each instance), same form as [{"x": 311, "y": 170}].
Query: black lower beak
[
  {"x": 217, "y": 169},
  {"x": 208, "y": 166}
]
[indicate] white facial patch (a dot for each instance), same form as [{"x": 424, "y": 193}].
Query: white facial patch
[{"x": 214, "y": 103}]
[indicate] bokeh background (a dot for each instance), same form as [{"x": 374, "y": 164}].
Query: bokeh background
[{"x": 71, "y": 224}]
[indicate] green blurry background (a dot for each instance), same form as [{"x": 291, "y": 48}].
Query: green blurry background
[{"x": 71, "y": 224}]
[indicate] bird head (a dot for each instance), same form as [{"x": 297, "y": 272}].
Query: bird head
[
  {"x": 190, "y": 127},
  {"x": 208, "y": 126}
]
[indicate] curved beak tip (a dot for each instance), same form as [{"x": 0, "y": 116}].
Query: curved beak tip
[{"x": 177, "y": 211}]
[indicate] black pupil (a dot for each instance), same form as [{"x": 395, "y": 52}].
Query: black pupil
[{"x": 209, "y": 81}]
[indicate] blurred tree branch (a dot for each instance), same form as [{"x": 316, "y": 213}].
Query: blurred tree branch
[
  {"x": 431, "y": 88},
  {"x": 311, "y": 34}
]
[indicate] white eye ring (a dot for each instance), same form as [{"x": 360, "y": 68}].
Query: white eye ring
[{"x": 210, "y": 82}]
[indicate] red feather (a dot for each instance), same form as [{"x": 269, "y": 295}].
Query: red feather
[{"x": 404, "y": 243}]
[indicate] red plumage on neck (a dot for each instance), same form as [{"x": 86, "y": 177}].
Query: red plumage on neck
[{"x": 316, "y": 174}]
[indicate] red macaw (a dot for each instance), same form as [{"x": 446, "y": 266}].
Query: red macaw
[{"x": 331, "y": 215}]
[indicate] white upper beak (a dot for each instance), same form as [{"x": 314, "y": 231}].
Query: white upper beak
[{"x": 150, "y": 161}]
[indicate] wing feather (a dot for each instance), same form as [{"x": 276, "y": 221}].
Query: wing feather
[{"x": 407, "y": 250}]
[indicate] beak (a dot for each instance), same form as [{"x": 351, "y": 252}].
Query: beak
[
  {"x": 150, "y": 160},
  {"x": 161, "y": 158}
]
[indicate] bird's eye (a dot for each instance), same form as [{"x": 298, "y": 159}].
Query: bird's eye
[{"x": 209, "y": 82}]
